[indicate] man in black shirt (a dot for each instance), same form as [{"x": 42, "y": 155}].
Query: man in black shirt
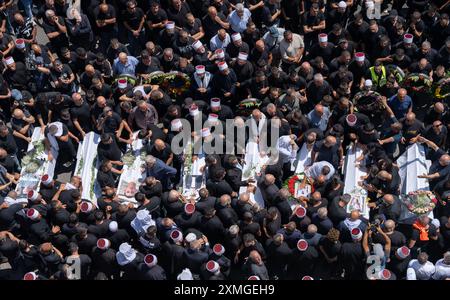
[
  {"x": 134, "y": 19},
  {"x": 105, "y": 16},
  {"x": 56, "y": 30}
]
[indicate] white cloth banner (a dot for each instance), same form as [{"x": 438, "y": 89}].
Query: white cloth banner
[
  {"x": 303, "y": 160},
  {"x": 353, "y": 173},
  {"x": 30, "y": 175},
  {"x": 133, "y": 174},
  {"x": 413, "y": 163},
  {"x": 254, "y": 161},
  {"x": 87, "y": 167},
  {"x": 193, "y": 177}
]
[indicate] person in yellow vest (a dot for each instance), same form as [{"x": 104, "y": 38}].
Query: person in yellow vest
[{"x": 377, "y": 74}]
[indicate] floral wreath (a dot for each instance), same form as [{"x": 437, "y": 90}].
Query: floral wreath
[
  {"x": 246, "y": 106},
  {"x": 420, "y": 202},
  {"x": 291, "y": 181},
  {"x": 368, "y": 101},
  {"x": 418, "y": 82},
  {"x": 174, "y": 83},
  {"x": 442, "y": 90}
]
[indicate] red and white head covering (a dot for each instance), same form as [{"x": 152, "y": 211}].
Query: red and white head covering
[
  {"x": 86, "y": 207},
  {"x": 8, "y": 60},
  {"x": 176, "y": 235},
  {"x": 20, "y": 43},
  {"x": 223, "y": 66},
  {"x": 213, "y": 118},
  {"x": 242, "y": 56},
  {"x": 33, "y": 195},
  {"x": 150, "y": 260},
  {"x": 385, "y": 274},
  {"x": 215, "y": 102},
  {"x": 220, "y": 53},
  {"x": 122, "y": 83},
  {"x": 46, "y": 180},
  {"x": 189, "y": 208},
  {"x": 32, "y": 214},
  {"x": 351, "y": 119},
  {"x": 206, "y": 132},
  {"x": 408, "y": 38},
  {"x": 323, "y": 38},
  {"x": 197, "y": 45},
  {"x": 218, "y": 249},
  {"x": 200, "y": 69},
  {"x": 360, "y": 56},
  {"x": 193, "y": 110},
  {"x": 356, "y": 234},
  {"x": 307, "y": 278},
  {"x": 176, "y": 124},
  {"x": 30, "y": 276},
  {"x": 254, "y": 277},
  {"x": 236, "y": 37},
  {"x": 403, "y": 252},
  {"x": 170, "y": 25},
  {"x": 103, "y": 244},
  {"x": 212, "y": 266},
  {"x": 300, "y": 212},
  {"x": 302, "y": 245}
]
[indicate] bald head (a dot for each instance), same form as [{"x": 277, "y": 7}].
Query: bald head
[
  {"x": 389, "y": 199},
  {"x": 355, "y": 214}
]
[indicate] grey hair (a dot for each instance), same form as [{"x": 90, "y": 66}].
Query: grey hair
[
  {"x": 318, "y": 76},
  {"x": 427, "y": 44},
  {"x": 322, "y": 212},
  {"x": 312, "y": 228},
  {"x": 234, "y": 229},
  {"x": 150, "y": 159},
  {"x": 49, "y": 13},
  {"x": 239, "y": 7}
]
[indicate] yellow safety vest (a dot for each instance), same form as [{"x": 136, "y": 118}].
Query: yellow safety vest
[{"x": 376, "y": 79}]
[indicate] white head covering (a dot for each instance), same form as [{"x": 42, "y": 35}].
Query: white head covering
[
  {"x": 142, "y": 221},
  {"x": 236, "y": 37},
  {"x": 185, "y": 275},
  {"x": 126, "y": 254}
]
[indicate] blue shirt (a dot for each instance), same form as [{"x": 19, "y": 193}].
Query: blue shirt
[
  {"x": 317, "y": 121},
  {"x": 400, "y": 108},
  {"x": 128, "y": 68},
  {"x": 238, "y": 24}
]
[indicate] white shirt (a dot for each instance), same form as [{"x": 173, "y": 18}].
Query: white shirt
[
  {"x": 442, "y": 270},
  {"x": 216, "y": 43},
  {"x": 237, "y": 23},
  {"x": 423, "y": 272},
  {"x": 290, "y": 49},
  {"x": 288, "y": 152},
  {"x": 316, "y": 169}
]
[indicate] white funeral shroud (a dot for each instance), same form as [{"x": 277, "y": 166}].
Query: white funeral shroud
[
  {"x": 32, "y": 181},
  {"x": 411, "y": 164},
  {"x": 193, "y": 178},
  {"x": 303, "y": 160},
  {"x": 353, "y": 173},
  {"x": 87, "y": 167},
  {"x": 132, "y": 176},
  {"x": 254, "y": 161}
]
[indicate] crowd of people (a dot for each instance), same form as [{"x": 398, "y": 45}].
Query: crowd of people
[{"x": 303, "y": 64}]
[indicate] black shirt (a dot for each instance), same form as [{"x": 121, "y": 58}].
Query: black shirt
[{"x": 134, "y": 19}]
